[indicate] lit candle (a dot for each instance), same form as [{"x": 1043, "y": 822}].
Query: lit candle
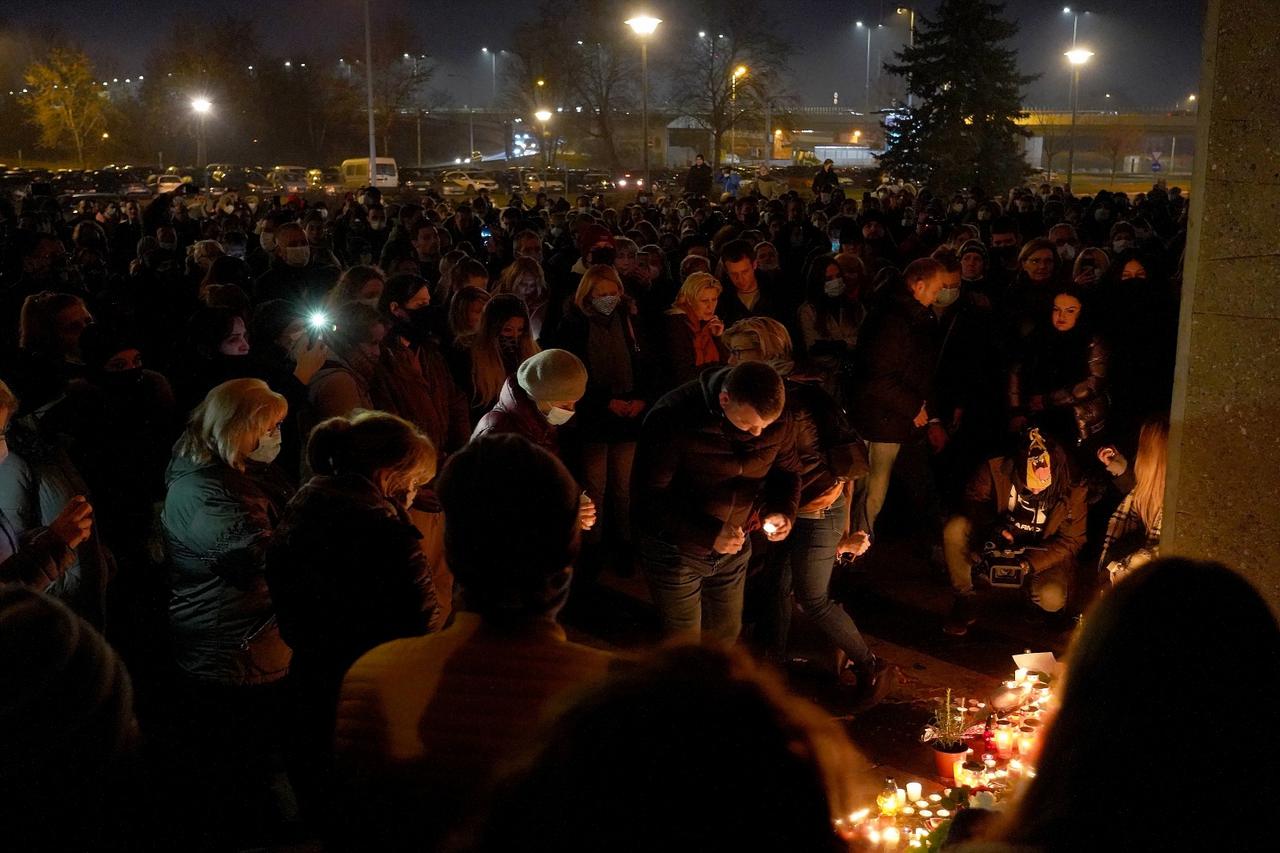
[
  {"x": 891, "y": 836},
  {"x": 942, "y": 813},
  {"x": 873, "y": 835},
  {"x": 902, "y": 797},
  {"x": 959, "y": 774},
  {"x": 1026, "y": 740},
  {"x": 926, "y": 813},
  {"x": 908, "y": 810},
  {"x": 1019, "y": 675},
  {"x": 922, "y": 804},
  {"x": 1004, "y": 743},
  {"x": 914, "y": 790},
  {"x": 936, "y": 798}
]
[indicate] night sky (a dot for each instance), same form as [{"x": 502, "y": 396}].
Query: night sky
[{"x": 1147, "y": 51}]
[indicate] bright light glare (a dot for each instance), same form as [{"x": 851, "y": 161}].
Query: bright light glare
[
  {"x": 643, "y": 25},
  {"x": 1066, "y": 10},
  {"x": 740, "y": 71},
  {"x": 201, "y": 105},
  {"x": 543, "y": 116},
  {"x": 1078, "y": 56},
  {"x": 318, "y": 320}
]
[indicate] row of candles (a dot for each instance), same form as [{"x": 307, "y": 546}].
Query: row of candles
[{"x": 905, "y": 814}]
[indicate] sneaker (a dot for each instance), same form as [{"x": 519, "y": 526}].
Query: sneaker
[
  {"x": 962, "y": 615},
  {"x": 874, "y": 682}
]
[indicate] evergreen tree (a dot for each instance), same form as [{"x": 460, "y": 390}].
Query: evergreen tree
[{"x": 962, "y": 130}]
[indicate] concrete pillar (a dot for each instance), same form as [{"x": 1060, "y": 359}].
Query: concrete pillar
[{"x": 1223, "y": 494}]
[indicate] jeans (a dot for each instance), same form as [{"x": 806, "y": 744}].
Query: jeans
[
  {"x": 804, "y": 561},
  {"x": 606, "y": 471},
  {"x": 1047, "y": 588},
  {"x": 869, "y": 499},
  {"x": 696, "y": 596}
]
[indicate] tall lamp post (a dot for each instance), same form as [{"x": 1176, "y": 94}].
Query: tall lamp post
[
  {"x": 1077, "y": 56},
  {"x": 493, "y": 57},
  {"x": 368, "y": 90},
  {"x": 201, "y": 107},
  {"x": 643, "y": 26},
  {"x": 866, "y": 86},
  {"x": 1075, "y": 26},
  {"x": 543, "y": 116},
  {"x": 910, "y": 11},
  {"x": 740, "y": 71}
]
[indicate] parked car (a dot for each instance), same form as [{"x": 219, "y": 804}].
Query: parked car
[
  {"x": 165, "y": 183},
  {"x": 413, "y": 177},
  {"x": 536, "y": 182},
  {"x": 288, "y": 179},
  {"x": 328, "y": 181},
  {"x": 458, "y": 181},
  {"x": 597, "y": 182}
]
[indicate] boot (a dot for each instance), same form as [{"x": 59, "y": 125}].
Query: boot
[
  {"x": 874, "y": 681},
  {"x": 963, "y": 614}
]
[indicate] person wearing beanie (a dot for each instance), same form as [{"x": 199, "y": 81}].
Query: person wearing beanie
[
  {"x": 980, "y": 286},
  {"x": 595, "y": 246},
  {"x": 423, "y": 722},
  {"x": 67, "y": 731},
  {"x": 538, "y": 399}
]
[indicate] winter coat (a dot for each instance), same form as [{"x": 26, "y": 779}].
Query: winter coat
[
  {"x": 217, "y": 524},
  {"x": 696, "y": 474},
  {"x": 825, "y": 181},
  {"x": 346, "y": 573},
  {"x": 423, "y": 392},
  {"x": 681, "y": 346},
  {"x": 893, "y": 369},
  {"x": 335, "y": 390},
  {"x": 698, "y": 181},
  {"x": 36, "y": 559},
  {"x": 1069, "y": 370},
  {"x": 987, "y": 500},
  {"x": 593, "y": 419},
  {"x": 827, "y": 447},
  {"x": 516, "y": 412}
]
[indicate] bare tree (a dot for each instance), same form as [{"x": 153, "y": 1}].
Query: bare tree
[
  {"x": 1118, "y": 141},
  {"x": 1053, "y": 135},
  {"x": 728, "y": 72}
]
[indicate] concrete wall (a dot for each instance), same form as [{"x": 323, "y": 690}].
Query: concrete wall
[{"x": 1223, "y": 496}]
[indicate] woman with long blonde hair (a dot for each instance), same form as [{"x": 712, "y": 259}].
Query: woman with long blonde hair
[
  {"x": 1133, "y": 533},
  {"x": 524, "y": 278},
  {"x": 501, "y": 344}
]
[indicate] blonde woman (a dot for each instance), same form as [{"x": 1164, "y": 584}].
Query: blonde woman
[
  {"x": 524, "y": 278},
  {"x": 223, "y": 500},
  {"x": 502, "y": 343},
  {"x": 357, "y": 284},
  {"x": 693, "y": 331},
  {"x": 1133, "y": 533}
]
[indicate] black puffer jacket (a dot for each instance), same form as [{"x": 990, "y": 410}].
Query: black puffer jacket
[
  {"x": 893, "y": 368},
  {"x": 346, "y": 573},
  {"x": 696, "y": 473}
]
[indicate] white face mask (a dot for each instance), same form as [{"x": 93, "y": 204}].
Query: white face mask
[
  {"x": 297, "y": 256},
  {"x": 268, "y": 448},
  {"x": 947, "y": 296},
  {"x": 1067, "y": 252},
  {"x": 833, "y": 287},
  {"x": 558, "y": 416},
  {"x": 268, "y": 240},
  {"x": 606, "y": 305},
  {"x": 228, "y": 208}
]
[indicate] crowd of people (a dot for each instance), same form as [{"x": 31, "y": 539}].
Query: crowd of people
[{"x": 233, "y": 431}]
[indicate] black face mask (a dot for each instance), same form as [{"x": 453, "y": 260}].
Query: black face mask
[
  {"x": 122, "y": 381},
  {"x": 508, "y": 345},
  {"x": 417, "y": 325}
]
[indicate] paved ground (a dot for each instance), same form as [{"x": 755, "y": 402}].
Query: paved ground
[{"x": 898, "y": 600}]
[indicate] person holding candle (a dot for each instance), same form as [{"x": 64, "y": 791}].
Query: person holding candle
[{"x": 1200, "y": 635}]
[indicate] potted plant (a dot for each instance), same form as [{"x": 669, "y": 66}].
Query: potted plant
[{"x": 945, "y": 733}]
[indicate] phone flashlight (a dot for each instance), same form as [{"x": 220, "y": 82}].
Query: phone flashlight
[
  {"x": 770, "y": 528},
  {"x": 486, "y": 232},
  {"x": 317, "y": 322}
]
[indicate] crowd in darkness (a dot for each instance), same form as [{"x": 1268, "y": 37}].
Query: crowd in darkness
[{"x": 292, "y": 492}]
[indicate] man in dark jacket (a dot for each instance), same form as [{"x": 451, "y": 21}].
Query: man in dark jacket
[
  {"x": 893, "y": 378},
  {"x": 826, "y": 180},
  {"x": 742, "y": 296},
  {"x": 698, "y": 181},
  {"x": 1023, "y": 501},
  {"x": 294, "y": 274},
  {"x": 714, "y": 458}
]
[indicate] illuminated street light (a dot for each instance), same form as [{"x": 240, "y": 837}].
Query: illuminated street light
[
  {"x": 867, "y": 80},
  {"x": 544, "y": 116},
  {"x": 201, "y": 106},
  {"x": 644, "y": 26},
  {"x": 1077, "y": 56},
  {"x": 740, "y": 71}
]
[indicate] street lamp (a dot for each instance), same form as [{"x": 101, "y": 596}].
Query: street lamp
[
  {"x": 740, "y": 71},
  {"x": 544, "y": 116},
  {"x": 643, "y": 26},
  {"x": 201, "y": 106},
  {"x": 1077, "y": 56},
  {"x": 867, "y": 84},
  {"x": 910, "y": 11},
  {"x": 368, "y": 93},
  {"x": 493, "y": 57},
  {"x": 1075, "y": 26}
]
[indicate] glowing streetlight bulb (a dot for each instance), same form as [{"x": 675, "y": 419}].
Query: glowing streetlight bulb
[
  {"x": 201, "y": 105},
  {"x": 643, "y": 25},
  {"x": 1191, "y": 97},
  {"x": 1078, "y": 56},
  {"x": 1066, "y": 10},
  {"x": 740, "y": 71},
  {"x": 543, "y": 116}
]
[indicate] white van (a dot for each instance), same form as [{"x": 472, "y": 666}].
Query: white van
[{"x": 355, "y": 173}]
